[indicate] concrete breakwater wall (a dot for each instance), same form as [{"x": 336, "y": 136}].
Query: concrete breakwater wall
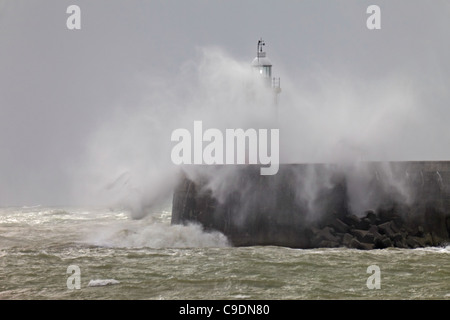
[{"x": 364, "y": 205}]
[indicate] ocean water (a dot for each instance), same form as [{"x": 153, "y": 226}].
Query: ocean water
[{"x": 43, "y": 251}]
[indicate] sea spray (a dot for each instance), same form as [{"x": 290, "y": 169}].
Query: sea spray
[{"x": 147, "y": 233}]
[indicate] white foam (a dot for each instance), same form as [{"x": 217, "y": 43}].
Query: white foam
[
  {"x": 150, "y": 234},
  {"x": 31, "y": 207},
  {"x": 443, "y": 249},
  {"x": 241, "y": 296},
  {"x": 102, "y": 282}
]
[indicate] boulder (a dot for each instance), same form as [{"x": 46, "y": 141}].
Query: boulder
[
  {"x": 434, "y": 240},
  {"x": 387, "y": 242},
  {"x": 355, "y": 244},
  {"x": 351, "y": 220},
  {"x": 414, "y": 242},
  {"x": 395, "y": 226},
  {"x": 364, "y": 224},
  {"x": 386, "y": 215},
  {"x": 359, "y": 234},
  {"x": 368, "y": 238},
  {"x": 397, "y": 237},
  {"x": 339, "y": 226},
  {"x": 328, "y": 244},
  {"x": 411, "y": 242},
  {"x": 312, "y": 234},
  {"x": 383, "y": 242},
  {"x": 347, "y": 239},
  {"x": 422, "y": 241},
  {"x": 420, "y": 231},
  {"x": 399, "y": 240},
  {"x": 400, "y": 243},
  {"x": 366, "y": 246},
  {"x": 371, "y": 216},
  {"x": 326, "y": 234},
  {"x": 374, "y": 230},
  {"x": 385, "y": 228}
]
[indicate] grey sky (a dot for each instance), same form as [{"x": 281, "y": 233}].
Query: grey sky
[{"x": 58, "y": 86}]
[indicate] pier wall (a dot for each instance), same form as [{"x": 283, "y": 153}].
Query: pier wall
[{"x": 365, "y": 205}]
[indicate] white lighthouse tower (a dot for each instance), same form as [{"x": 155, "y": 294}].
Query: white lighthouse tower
[{"x": 262, "y": 65}]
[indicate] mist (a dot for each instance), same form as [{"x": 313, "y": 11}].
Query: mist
[
  {"x": 86, "y": 117},
  {"x": 342, "y": 122}
]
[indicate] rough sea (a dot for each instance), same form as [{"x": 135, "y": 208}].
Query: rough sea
[{"x": 44, "y": 251}]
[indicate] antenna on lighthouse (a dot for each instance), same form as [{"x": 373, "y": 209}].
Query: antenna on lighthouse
[{"x": 259, "y": 50}]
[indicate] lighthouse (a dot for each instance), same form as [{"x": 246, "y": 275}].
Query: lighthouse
[
  {"x": 262, "y": 66},
  {"x": 261, "y": 63}
]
